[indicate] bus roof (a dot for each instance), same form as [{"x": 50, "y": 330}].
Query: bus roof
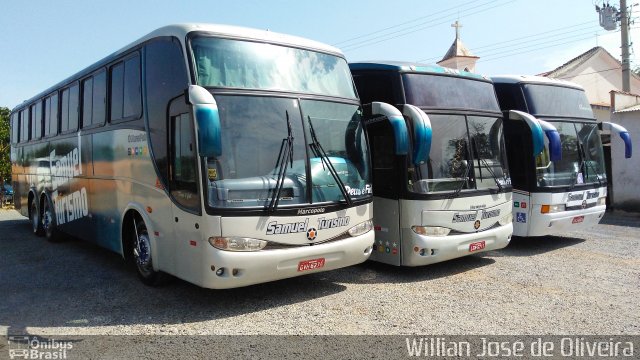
[
  {"x": 402, "y": 66},
  {"x": 532, "y": 79},
  {"x": 181, "y": 31}
]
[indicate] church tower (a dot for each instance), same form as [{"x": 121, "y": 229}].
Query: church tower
[{"x": 458, "y": 56}]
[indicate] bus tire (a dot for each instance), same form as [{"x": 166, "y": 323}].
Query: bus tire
[
  {"x": 48, "y": 221},
  {"x": 34, "y": 217},
  {"x": 142, "y": 256}
]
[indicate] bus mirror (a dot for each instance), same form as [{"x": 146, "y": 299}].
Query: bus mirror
[
  {"x": 555, "y": 144},
  {"x": 539, "y": 129},
  {"x": 421, "y": 133},
  {"x": 397, "y": 122},
  {"x": 624, "y": 135},
  {"x": 205, "y": 111}
]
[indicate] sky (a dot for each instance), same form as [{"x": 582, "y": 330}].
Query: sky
[{"x": 42, "y": 41}]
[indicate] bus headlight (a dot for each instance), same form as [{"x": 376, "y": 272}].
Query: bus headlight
[
  {"x": 431, "y": 230},
  {"x": 234, "y": 243},
  {"x": 361, "y": 228},
  {"x": 547, "y": 209},
  {"x": 506, "y": 219},
  {"x": 602, "y": 201}
]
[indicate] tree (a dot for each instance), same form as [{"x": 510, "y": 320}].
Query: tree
[{"x": 5, "y": 163}]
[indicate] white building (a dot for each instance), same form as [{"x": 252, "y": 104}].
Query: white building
[{"x": 626, "y": 112}]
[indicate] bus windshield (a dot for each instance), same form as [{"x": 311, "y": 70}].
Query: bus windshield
[
  {"x": 551, "y": 100},
  {"x": 252, "y": 65},
  {"x": 582, "y": 157},
  {"x": 254, "y": 142},
  {"x": 462, "y": 159},
  {"x": 449, "y": 92}
]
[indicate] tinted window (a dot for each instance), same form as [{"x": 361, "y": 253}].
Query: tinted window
[
  {"x": 132, "y": 102},
  {"x": 557, "y": 100},
  {"x": 126, "y": 94},
  {"x": 99, "y": 98},
  {"x": 448, "y": 92},
  {"x": 64, "y": 111},
  {"x": 74, "y": 101},
  {"x": 93, "y": 100},
  {"x": 87, "y": 101},
  {"x": 117, "y": 79},
  {"x": 374, "y": 87},
  {"x": 166, "y": 78},
  {"x": 510, "y": 97},
  {"x": 36, "y": 121},
  {"x": 14, "y": 128},
  {"x": 184, "y": 186},
  {"x": 51, "y": 115},
  {"x": 24, "y": 125}
]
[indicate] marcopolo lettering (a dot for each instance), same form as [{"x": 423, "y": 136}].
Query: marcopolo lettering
[
  {"x": 311, "y": 211},
  {"x": 273, "y": 228}
]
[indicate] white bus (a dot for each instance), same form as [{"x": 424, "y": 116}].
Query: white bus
[
  {"x": 441, "y": 183},
  {"x": 564, "y": 188},
  {"x": 224, "y": 156}
]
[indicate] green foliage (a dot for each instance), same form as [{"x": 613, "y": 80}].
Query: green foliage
[{"x": 5, "y": 163}]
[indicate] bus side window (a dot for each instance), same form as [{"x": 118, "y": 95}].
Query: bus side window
[
  {"x": 14, "y": 128},
  {"x": 36, "y": 120},
  {"x": 51, "y": 115},
  {"x": 24, "y": 125},
  {"x": 184, "y": 179}
]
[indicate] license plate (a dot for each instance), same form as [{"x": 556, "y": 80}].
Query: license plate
[
  {"x": 476, "y": 246},
  {"x": 311, "y": 264},
  {"x": 577, "y": 219}
]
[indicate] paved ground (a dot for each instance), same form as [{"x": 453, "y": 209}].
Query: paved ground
[{"x": 581, "y": 283}]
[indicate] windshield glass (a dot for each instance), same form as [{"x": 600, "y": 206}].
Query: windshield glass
[
  {"x": 461, "y": 159},
  {"x": 449, "y": 92},
  {"x": 553, "y": 100},
  {"x": 252, "y": 65},
  {"x": 254, "y": 129},
  {"x": 582, "y": 157}
]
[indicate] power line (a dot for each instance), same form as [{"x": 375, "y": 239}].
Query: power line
[
  {"x": 538, "y": 43},
  {"x": 404, "y": 32},
  {"x": 589, "y": 73},
  {"x": 494, "y": 45},
  {"x": 545, "y": 47},
  {"x": 405, "y": 23}
]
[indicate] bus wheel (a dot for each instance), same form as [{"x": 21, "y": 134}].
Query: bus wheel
[
  {"x": 142, "y": 256},
  {"x": 48, "y": 222},
  {"x": 34, "y": 215}
]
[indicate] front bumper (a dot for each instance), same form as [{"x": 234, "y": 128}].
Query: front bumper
[
  {"x": 248, "y": 268},
  {"x": 555, "y": 223},
  {"x": 434, "y": 249}
]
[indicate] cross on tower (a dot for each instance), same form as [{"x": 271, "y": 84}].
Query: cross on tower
[{"x": 457, "y": 25}]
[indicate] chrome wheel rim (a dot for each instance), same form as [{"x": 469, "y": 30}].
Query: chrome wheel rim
[
  {"x": 142, "y": 253},
  {"x": 46, "y": 219},
  {"x": 35, "y": 220}
]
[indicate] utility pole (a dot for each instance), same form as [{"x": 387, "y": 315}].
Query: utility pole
[{"x": 624, "y": 24}]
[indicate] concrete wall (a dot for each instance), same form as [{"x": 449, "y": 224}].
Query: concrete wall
[{"x": 626, "y": 172}]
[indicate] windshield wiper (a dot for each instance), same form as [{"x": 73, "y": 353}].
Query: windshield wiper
[
  {"x": 495, "y": 178},
  {"x": 285, "y": 156},
  {"x": 318, "y": 151},
  {"x": 595, "y": 171},
  {"x": 457, "y": 191}
]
